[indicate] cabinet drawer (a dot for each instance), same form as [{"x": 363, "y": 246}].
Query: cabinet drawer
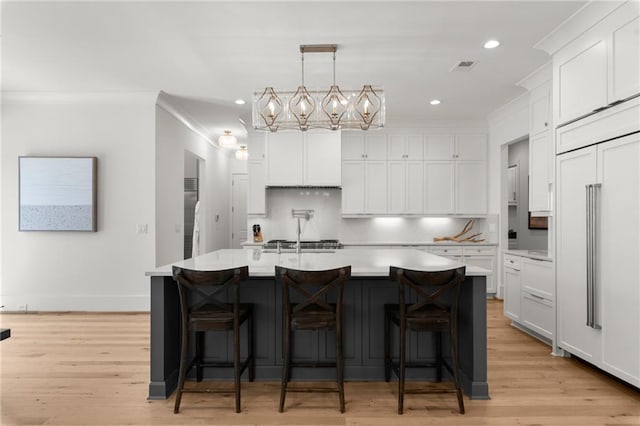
[
  {"x": 537, "y": 278},
  {"x": 537, "y": 314},
  {"x": 479, "y": 251},
  {"x": 447, "y": 251},
  {"x": 512, "y": 262}
]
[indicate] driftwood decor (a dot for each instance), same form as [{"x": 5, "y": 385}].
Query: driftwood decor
[{"x": 459, "y": 236}]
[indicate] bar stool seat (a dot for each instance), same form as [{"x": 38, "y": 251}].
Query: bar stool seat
[
  {"x": 202, "y": 310},
  {"x": 435, "y": 310},
  {"x": 312, "y": 313}
]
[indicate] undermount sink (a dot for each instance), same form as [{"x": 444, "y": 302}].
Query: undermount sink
[{"x": 301, "y": 251}]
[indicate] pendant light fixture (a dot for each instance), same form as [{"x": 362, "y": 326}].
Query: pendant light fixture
[
  {"x": 227, "y": 140},
  {"x": 305, "y": 109},
  {"x": 242, "y": 154}
]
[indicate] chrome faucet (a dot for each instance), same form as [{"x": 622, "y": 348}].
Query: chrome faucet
[{"x": 300, "y": 214}]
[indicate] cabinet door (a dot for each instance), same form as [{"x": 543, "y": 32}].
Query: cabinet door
[
  {"x": 439, "y": 187},
  {"x": 471, "y": 147},
  {"x": 322, "y": 159},
  {"x": 285, "y": 159},
  {"x": 376, "y": 186},
  {"x": 512, "y": 294},
  {"x": 257, "y": 145},
  {"x": 512, "y": 190},
  {"x": 256, "y": 187},
  {"x": 619, "y": 252},
  {"x": 375, "y": 147},
  {"x": 574, "y": 170},
  {"x": 397, "y": 147},
  {"x": 471, "y": 187},
  {"x": 540, "y": 172},
  {"x": 415, "y": 147},
  {"x": 352, "y": 146},
  {"x": 397, "y": 186},
  {"x": 414, "y": 187},
  {"x": 582, "y": 80},
  {"x": 486, "y": 262},
  {"x": 439, "y": 147},
  {"x": 353, "y": 188},
  {"x": 539, "y": 109},
  {"x": 625, "y": 61}
]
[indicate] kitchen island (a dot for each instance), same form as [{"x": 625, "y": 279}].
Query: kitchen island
[{"x": 364, "y": 297}]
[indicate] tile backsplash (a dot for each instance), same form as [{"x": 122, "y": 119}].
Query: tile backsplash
[{"x": 327, "y": 222}]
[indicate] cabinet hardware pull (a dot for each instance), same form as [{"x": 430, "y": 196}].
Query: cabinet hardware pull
[{"x": 536, "y": 296}]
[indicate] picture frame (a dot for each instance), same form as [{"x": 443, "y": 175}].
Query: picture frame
[
  {"x": 57, "y": 193},
  {"x": 538, "y": 222}
]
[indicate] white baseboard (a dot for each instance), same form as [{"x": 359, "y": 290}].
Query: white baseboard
[{"x": 91, "y": 303}]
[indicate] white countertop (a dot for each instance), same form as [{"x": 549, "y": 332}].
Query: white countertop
[
  {"x": 364, "y": 262},
  {"x": 532, "y": 254},
  {"x": 413, "y": 243}
]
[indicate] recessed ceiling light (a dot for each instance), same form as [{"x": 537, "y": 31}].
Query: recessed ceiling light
[
  {"x": 240, "y": 101},
  {"x": 491, "y": 44},
  {"x": 435, "y": 102}
]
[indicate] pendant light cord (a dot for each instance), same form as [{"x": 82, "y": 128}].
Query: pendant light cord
[
  {"x": 334, "y": 68},
  {"x": 302, "y": 61}
]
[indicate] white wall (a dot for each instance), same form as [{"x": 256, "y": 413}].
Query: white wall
[
  {"x": 173, "y": 139},
  {"x": 81, "y": 270}
]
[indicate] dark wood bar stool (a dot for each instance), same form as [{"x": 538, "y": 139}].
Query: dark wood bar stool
[
  {"x": 203, "y": 309},
  {"x": 435, "y": 309},
  {"x": 312, "y": 313}
]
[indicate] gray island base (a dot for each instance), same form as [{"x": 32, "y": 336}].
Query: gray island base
[{"x": 365, "y": 295}]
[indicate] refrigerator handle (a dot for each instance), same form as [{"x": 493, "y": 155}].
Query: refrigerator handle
[
  {"x": 589, "y": 259},
  {"x": 595, "y": 204}
]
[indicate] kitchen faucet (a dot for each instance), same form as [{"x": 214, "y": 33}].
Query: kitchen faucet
[{"x": 299, "y": 214}]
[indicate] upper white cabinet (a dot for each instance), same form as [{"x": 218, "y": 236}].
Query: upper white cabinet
[
  {"x": 439, "y": 147},
  {"x": 364, "y": 187},
  {"x": 599, "y": 68},
  {"x": 471, "y": 148},
  {"x": 257, "y": 176},
  {"x": 540, "y": 109},
  {"x": 406, "y": 187},
  {"x": 471, "y": 187},
  {"x": 359, "y": 146},
  {"x": 439, "y": 187},
  {"x": 304, "y": 159},
  {"x": 406, "y": 147}
]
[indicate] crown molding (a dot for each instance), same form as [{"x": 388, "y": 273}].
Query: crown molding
[
  {"x": 515, "y": 105},
  {"x": 583, "y": 19},
  {"x": 538, "y": 77}
]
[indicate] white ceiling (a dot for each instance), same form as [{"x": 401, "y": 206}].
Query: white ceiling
[{"x": 220, "y": 51}]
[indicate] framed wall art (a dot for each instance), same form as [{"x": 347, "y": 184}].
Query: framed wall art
[{"x": 57, "y": 193}]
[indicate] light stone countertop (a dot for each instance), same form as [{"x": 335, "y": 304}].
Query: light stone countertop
[
  {"x": 414, "y": 243},
  {"x": 364, "y": 262},
  {"x": 532, "y": 254}
]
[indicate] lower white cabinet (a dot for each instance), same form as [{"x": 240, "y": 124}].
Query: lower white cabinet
[
  {"x": 481, "y": 256},
  {"x": 529, "y": 294}
]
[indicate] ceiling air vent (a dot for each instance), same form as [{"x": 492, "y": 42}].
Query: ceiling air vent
[{"x": 464, "y": 65}]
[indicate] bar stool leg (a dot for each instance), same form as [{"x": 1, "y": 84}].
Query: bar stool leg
[
  {"x": 454, "y": 357},
  {"x": 286, "y": 365},
  {"x": 236, "y": 364},
  {"x": 438, "y": 345},
  {"x": 199, "y": 337},
  {"x": 183, "y": 368},
  {"x": 340, "y": 365},
  {"x": 387, "y": 348},
  {"x": 252, "y": 357},
  {"x": 403, "y": 338}
]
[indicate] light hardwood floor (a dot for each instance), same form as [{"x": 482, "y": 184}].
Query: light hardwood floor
[{"x": 93, "y": 369}]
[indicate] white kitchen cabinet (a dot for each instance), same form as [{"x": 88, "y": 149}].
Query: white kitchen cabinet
[
  {"x": 285, "y": 153},
  {"x": 512, "y": 287},
  {"x": 257, "y": 176},
  {"x": 600, "y": 67},
  {"x": 322, "y": 165},
  {"x": 486, "y": 262},
  {"x": 481, "y": 256},
  {"x": 512, "y": 186},
  {"x": 364, "y": 187},
  {"x": 257, "y": 145},
  {"x": 304, "y": 159},
  {"x": 471, "y": 187},
  {"x": 609, "y": 224},
  {"x": 353, "y": 187},
  {"x": 540, "y": 109},
  {"x": 406, "y": 187},
  {"x": 471, "y": 148},
  {"x": 439, "y": 187},
  {"x": 538, "y": 295},
  {"x": 405, "y": 147},
  {"x": 540, "y": 171},
  {"x": 439, "y": 147},
  {"x": 359, "y": 146}
]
